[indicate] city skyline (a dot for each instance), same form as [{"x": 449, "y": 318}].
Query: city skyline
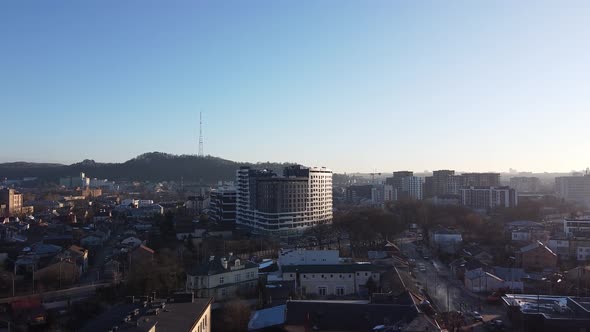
[{"x": 352, "y": 86}]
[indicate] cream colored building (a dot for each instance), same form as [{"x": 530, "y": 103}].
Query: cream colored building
[
  {"x": 332, "y": 280},
  {"x": 222, "y": 277}
]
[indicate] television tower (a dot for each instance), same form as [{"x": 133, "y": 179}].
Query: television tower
[{"x": 200, "y": 134}]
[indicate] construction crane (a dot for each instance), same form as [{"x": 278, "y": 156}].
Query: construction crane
[{"x": 373, "y": 176}]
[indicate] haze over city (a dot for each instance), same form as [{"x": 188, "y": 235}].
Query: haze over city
[{"x": 352, "y": 86}]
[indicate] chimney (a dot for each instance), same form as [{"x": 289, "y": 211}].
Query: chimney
[
  {"x": 211, "y": 258},
  {"x": 224, "y": 262}
]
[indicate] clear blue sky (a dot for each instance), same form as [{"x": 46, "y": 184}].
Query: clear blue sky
[{"x": 351, "y": 85}]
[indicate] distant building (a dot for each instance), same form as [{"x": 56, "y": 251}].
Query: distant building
[
  {"x": 441, "y": 183},
  {"x": 197, "y": 204},
  {"x": 488, "y": 197},
  {"x": 412, "y": 187},
  {"x": 13, "y": 201},
  {"x": 222, "y": 207},
  {"x": 75, "y": 181},
  {"x": 442, "y": 200},
  {"x": 480, "y": 180},
  {"x": 382, "y": 193},
  {"x": 396, "y": 180},
  {"x": 525, "y": 184},
  {"x": 287, "y": 204},
  {"x": 222, "y": 277},
  {"x": 574, "y": 188},
  {"x": 359, "y": 193}
]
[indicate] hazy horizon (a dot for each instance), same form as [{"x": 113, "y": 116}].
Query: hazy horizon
[{"x": 353, "y": 86}]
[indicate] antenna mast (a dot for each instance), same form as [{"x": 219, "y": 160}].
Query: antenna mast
[{"x": 200, "y": 134}]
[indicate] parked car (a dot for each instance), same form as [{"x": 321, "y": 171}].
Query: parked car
[{"x": 477, "y": 316}]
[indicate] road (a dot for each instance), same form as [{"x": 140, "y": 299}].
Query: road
[
  {"x": 99, "y": 259},
  {"x": 446, "y": 292}
]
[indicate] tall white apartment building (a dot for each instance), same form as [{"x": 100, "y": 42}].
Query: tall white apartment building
[
  {"x": 269, "y": 203},
  {"x": 412, "y": 187}
]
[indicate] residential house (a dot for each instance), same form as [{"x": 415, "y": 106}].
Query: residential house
[
  {"x": 222, "y": 277},
  {"x": 91, "y": 241},
  {"x": 579, "y": 276},
  {"x": 560, "y": 245},
  {"x": 333, "y": 279},
  {"x": 112, "y": 271},
  {"x": 43, "y": 251},
  {"x": 141, "y": 255},
  {"x": 78, "y": 255},
  {"x": 513, "y": 278},
  {"x": 131, "y": 242},
  {"x": 474, "y": 251},
  {"x": 63, "y": 272},
  {"x": 479, "y": 281},
  {"x": 102, "y": 215},
  {"x": 536, "y": 256}
]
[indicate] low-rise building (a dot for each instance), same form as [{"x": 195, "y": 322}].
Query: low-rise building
[
  {"x": 477, "y": 252},
  {"x": 156, "y": 315},
  {"x": 576, "y": 227},
  {"x": 445, "y": 240},
  {"x": 481, "y": 281},
  {"x": 222, "y": 277},
  {"x": 333, "y": 279},
  {"x": 78, "y": 255},
  {"x": 545, "y": 313},
  {"x": 536, "y": 256},
  {"x": 308, "y": 257}
]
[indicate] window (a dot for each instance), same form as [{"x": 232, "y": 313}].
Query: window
[
  {"x": 322, "y": 291},
  {"x": 221, "y": 280},
  {"x": 340, "y": 291},
  {"x": 238, "y": 277}
]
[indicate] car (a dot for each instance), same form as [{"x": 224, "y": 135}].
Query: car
[
  {"x": 426, "y": 257},
  {"x": 477, "y": 316}
]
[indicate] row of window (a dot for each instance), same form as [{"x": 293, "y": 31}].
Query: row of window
[
  {"x": 203, "y": 325},
  {"x": 238, "y": 277},
  {"x": 324, "y": 276}
]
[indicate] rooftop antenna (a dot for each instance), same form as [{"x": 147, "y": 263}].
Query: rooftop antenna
[{"x": 200, "y": 134}]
